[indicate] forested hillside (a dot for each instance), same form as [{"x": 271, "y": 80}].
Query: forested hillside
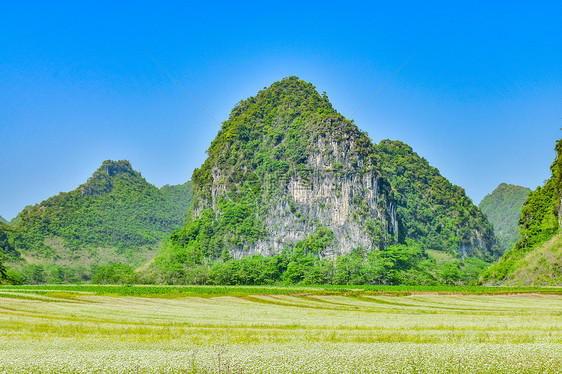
[
  {"x": 177, "y": 200},
  {"x": 3, "y": 220},
  {"x": 6, "y": 246},
  {"x": 534, "y": 259},
  {"x": 503, "y": 209},
  {"x": 293, "y": 192},
  {"x": 116, "y": 216},
  {"x": 431, "y": 210}
]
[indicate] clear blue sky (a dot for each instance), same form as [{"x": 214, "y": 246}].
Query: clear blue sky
[{"x": 481, "y": 98}]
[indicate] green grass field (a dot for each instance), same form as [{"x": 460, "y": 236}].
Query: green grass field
[{"x": 136, "y": 329}]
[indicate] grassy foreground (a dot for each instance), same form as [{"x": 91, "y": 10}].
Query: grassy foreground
[{"x": 76, "y": 329}]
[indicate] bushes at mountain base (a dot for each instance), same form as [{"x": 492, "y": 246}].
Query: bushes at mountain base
[
  {"x": 114, "y": 274},
  {"x": 539, "y": 222},
  {"x": 304, "y": 264},
  {"x": 49, "y": 274}
]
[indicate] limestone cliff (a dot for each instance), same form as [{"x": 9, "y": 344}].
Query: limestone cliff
[{"x": 283, "y": 165}]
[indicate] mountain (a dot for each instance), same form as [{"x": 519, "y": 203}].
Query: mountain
[
  {"x": 284, "y": 165},
  {"x": 503, "y": 209},
  {"x": 116, "y": 216},
  {"x": 536, "y": 257},
  {"x": 288, "y": 173},
  {"x": 431, "y": 210},
  {"x": 3, "y": 220}
]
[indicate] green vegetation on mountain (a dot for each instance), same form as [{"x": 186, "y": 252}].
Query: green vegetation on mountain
[
  {"x": 6, "y": 246},
  {"x": 3, "y": 220},
  {"x": 503, "y": 209},
  {"x": 7, "y": 253},
  {"x": 292, "y": 192},
  {"x": 3, "y": 269},
  {"x": 540, "y": 266},
  {"x": 431, "y": 210},
  {"x": 116, "y": 216},
  {"x": 177, "y": 200},
  {"x": 533, "y": 257}
]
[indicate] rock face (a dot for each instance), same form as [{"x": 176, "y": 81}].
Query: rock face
[
  {"x": 103, "y": 179},
  {"x": 342, "y": 199},
  {"x": 286, "y": 164}
]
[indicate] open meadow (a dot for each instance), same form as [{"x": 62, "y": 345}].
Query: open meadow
[{"x": 136, "y": 329}]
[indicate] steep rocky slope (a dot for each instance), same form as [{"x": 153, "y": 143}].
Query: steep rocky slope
[
  {"x": 503, "y": 209},
  {"x": 286, "y": 168}
]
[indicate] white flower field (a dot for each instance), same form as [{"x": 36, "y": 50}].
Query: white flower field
[{"x": 83, "y": 332}]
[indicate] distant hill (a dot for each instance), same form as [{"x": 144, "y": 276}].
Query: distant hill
[
  {"x": 535, "y": 258},
  {"x": 116, "y": 216},
  {"x": 3, "y": 220},
  {"x": 503, "y": 209},
  {"x": 178, "y": 199}
]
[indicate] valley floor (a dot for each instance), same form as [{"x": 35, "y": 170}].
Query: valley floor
[{"x": 54, "y": 331}]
